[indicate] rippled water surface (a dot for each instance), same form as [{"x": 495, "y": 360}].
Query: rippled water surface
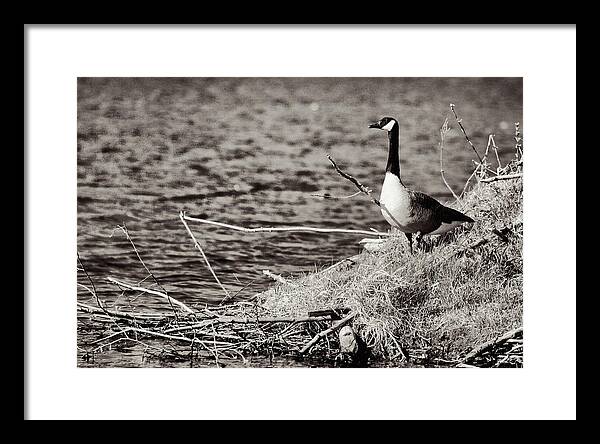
[{"x": 250, "y": 152}]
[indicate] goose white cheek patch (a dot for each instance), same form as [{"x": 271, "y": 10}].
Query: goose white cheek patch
[{"x": 389, "y": 126}]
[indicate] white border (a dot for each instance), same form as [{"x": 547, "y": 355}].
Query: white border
[{"x": 544, "y": 389}]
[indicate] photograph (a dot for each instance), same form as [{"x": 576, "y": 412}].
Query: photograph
[{"x": 300, "y": 222}]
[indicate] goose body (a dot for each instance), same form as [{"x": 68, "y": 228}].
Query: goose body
[
  {"x": 414, "y": 212},
  {"x": 409, "y": 211}
]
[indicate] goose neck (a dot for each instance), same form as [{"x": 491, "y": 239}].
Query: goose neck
[{"x": 393, "y": 163}]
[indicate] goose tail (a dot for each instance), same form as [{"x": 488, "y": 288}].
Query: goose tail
[
  {"x": 450, "y": 215},
  {"x": 451, "y": 219}
]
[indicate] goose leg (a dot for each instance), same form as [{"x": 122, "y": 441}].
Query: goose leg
[
  {"x": 418, "y": 239},
  {"x": 409, "y": 237}
]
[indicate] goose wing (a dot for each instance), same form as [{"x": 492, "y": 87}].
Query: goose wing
[
  {"x": 450, "y": 215},
  {"x": 425, "y": 202},
  {"x": 445, "y": 214},
  {"x": 432, "y": 215}
]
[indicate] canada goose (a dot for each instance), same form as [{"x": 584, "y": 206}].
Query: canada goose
[{"x": 410, "y": 211}]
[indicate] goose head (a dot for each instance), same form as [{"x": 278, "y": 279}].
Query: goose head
[{"x": 386, "y": 123}]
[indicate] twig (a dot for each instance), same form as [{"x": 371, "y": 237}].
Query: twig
[
  {"x": 487, "y": 148},
  {"x": 399, "y": 348},
  {"x": 123, "y": 228},
  {"x": 493, "y": 142},
  {"x": 351, "y": 260},
  {"x": 486, "y": 345},
  {"x": 484, "y": 166},
  {"x": 270, "y": 320},
  {"x": 216, "y": 351},
  {"x": 502, "y": 177},
  {"x": 495, "y": 232},
  {"x": 182, "y": 217},
  {"x": 94, "y": 292},
  {"x": 85, "y": 287},
  {"x": 246, "y": 286},
  {"x": 324, "y": 333},
  {"x": 154, "y": 292},
  {"x": 354, "y": 180},
  {"x": 215, "y": 355},
  {"x": 241, "y": 320},
  {"x": 518, "y": 142},
  {"x": 365, "y": 190},
  {"x": 443, "y": 131},
  {"x": 462, "y": 128},
  {"x": 175, "y": 338},
  {"x": 502, "y": 361},
  {"x": 276, "y": 278},
  {"x": 117, "y": 314},
  {"x": 281, "y": 229},
  {"x": 467, "y": 182},
  {"x": 106, "y": 338},
  {"x": 93, "y": 289},
  {"x": 329, "y": 196}
]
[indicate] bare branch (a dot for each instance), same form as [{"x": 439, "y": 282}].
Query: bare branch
[
  {"x": 443, "y": 131},
  {"x": 324, "y": 333},
  {"x": 493, "y": 143},
  {"x": 467, "y": 182},
  {"x": 329, "y": 196},
  {"x": 462, "y": 128},
  {"x": 298, "y": 229},
  {"x": 171, "y": 300},
  {"x": 165, "y": 336},
  {"x": 123, "y": 228},
  {"x": 117, "y": 314},
  {"x": 182, "y": 217},
  {"x": 276, "y": 278},
  {"x": 481, "y": 348},
  {"x": 363, "y": 189},
  {"x": 518, "y": 142},
  {"x": 502, "y": 177},
  {"x": 92, "y": 290}
]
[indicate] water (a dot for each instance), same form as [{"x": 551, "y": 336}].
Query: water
[{"x": 250, "y": 152}]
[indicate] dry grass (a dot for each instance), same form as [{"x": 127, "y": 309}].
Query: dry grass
[
  {"x": 433, "y": 307},
  {"x": 457, "y": 291}
]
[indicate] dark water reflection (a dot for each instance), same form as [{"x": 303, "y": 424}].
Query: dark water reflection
[{"x": 250, "y": 151}]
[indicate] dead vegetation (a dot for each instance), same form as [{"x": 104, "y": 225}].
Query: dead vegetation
[{"x": 457, "y": 301}]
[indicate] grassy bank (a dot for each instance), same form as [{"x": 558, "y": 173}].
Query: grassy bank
[
  {"x": 454, "y": 293},
  {"x": 430, "y": 308},
  {"x": 457, "y": 300}
]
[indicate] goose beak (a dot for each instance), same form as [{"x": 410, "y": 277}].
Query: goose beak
[{"x": 374, "y": 125}]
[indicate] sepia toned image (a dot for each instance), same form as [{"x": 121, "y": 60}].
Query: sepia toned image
[{"x": 300, "y": 222}]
